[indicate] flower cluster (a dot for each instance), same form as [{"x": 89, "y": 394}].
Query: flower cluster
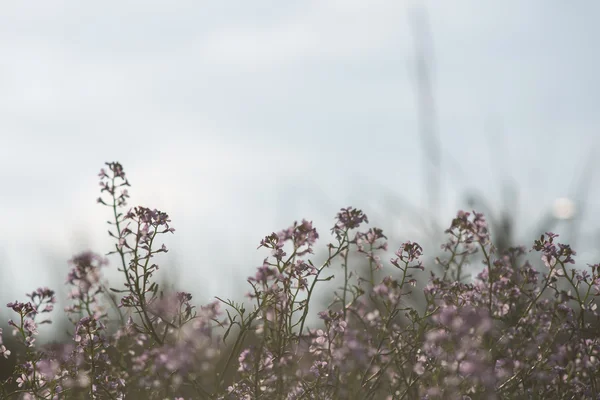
[
  {"x": 511, "y": 332},
  {"x": 85, "y": 280}
]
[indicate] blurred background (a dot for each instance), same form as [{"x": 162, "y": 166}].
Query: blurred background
[{"x": 238, "y": 118}]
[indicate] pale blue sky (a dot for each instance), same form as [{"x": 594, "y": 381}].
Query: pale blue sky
[{"x": 239, "y": 117}]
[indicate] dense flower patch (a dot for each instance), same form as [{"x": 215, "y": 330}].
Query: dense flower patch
[{"x": 510, "y": 333}]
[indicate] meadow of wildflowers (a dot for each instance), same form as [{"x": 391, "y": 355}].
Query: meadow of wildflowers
[{"x": 512, "y": 332}]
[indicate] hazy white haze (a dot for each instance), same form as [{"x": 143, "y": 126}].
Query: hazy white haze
[{"x": 239, "y": 117}]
